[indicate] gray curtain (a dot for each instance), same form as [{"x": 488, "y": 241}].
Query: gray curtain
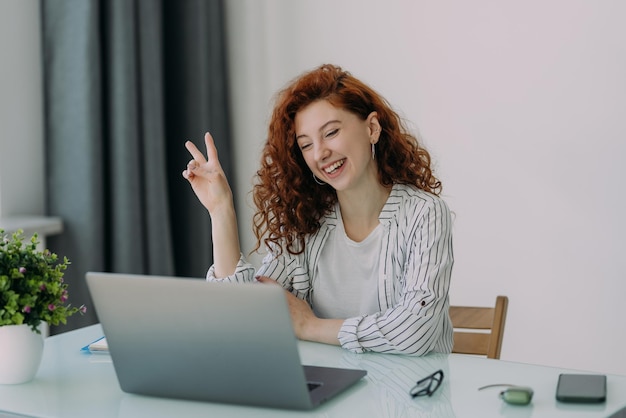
[{"x": 126, "y": 83}]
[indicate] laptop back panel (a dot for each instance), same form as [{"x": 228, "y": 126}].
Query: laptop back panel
[{"x": 189, "y": 339}]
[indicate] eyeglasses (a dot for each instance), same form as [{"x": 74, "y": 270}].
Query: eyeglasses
[{"x": 428, "y": 385}]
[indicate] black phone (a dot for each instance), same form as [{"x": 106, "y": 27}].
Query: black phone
[{"x": 581, "y": 388}]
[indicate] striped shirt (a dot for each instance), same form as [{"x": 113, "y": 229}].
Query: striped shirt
[{"x": 415, "y": 267}]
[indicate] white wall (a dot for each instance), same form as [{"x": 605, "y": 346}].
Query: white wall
[
  {"x": 522, "y": 105},
  {"x": 21, "y": 103}
]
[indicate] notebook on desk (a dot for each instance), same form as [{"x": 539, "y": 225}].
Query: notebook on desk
[{"x": 189, "y": 339}]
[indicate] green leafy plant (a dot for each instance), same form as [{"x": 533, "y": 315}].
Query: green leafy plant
[{"x": 32, "y": 289}]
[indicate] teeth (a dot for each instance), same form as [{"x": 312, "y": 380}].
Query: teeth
[{"x": 334, "y": 166}]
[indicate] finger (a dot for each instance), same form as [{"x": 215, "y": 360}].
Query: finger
[
  {"x": 195, "y": 152},
  {"x": 211, "y": 149},
  {"x": 265, "y": 279},
  {"x": 191, "y": 166},
  {"x": 188, "y": 174}
]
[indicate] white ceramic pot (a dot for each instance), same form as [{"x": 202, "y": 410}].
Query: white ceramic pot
[{"x": 21, "y": 350}]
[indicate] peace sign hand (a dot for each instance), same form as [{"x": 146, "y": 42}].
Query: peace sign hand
[{"x": 207, "y": 177}]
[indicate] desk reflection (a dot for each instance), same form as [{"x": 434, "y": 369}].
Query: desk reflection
[
  {"x": 394, "y": 375},
  {"x": 384, "y": 393}
]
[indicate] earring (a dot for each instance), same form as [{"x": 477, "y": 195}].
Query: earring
[
  {"x": 373, "y": 152},
  {"x": 321, "y": 183}
]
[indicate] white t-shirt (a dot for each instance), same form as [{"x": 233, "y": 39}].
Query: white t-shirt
[{"x": 345, "y": 284}]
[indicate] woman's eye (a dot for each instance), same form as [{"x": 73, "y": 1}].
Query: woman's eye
[
  {"x": 305, "y": 146},
  {"x": 332, "y": 133}
]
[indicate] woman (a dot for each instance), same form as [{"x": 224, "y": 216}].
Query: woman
[{"x": 348, "y": 208}]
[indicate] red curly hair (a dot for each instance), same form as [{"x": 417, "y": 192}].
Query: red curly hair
[{"x": 289, "y": 203}]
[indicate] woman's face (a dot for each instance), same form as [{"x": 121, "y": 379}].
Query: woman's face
[{"x": 337, "y": 145}]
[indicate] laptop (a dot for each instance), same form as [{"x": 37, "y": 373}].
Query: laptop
[{"x": 218, "y": 342}]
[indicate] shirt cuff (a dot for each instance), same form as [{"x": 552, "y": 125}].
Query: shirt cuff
[
  {"x": 244, "y": 272},
  {"x": 348, "y": 335}
]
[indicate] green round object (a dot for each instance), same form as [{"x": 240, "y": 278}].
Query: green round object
[{"x": 517, "y": 395}]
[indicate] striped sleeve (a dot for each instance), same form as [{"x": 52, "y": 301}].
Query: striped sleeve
[{"x": 287, "y": 269}]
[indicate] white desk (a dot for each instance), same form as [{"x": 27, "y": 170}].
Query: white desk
[{"x": 74, "y": 384}]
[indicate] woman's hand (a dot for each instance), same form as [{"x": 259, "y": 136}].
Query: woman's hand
[
  {"x": 305, "y": 324},
  {"x": 207, "y": 177}
]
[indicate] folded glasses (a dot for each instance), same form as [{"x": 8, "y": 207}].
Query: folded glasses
[{"x": 428, "y": 385}]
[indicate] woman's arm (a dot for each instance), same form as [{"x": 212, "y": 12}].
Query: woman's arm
[
  {"x": 306, "y": 325},
  {"x": 210, "y": 185}
]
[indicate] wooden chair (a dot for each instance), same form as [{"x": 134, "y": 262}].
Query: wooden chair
[{"x": 479, "y": 320}]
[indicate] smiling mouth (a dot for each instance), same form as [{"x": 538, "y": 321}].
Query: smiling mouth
[{"x": 333, "y": 167}]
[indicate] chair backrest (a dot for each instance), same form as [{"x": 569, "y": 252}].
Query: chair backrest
[{"x": 484, "y": 328}]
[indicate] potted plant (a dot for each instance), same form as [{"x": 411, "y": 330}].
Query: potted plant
[{"x": 32, "y": 292}]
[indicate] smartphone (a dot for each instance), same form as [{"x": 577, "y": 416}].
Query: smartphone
[{"x": 581, "y": 388}]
